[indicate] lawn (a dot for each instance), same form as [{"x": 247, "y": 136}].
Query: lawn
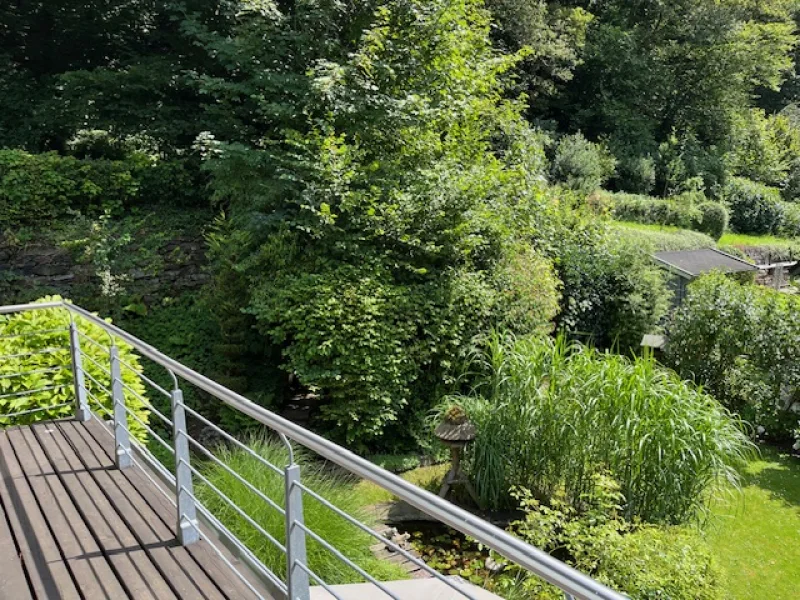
[
  {"x": 740, "y": 239},
  {"x": 756, "y": 535}
]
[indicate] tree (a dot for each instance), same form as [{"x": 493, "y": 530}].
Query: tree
[{"x": 387, "y": 193}]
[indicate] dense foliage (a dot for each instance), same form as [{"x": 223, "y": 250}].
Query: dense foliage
[
  {"x": 549, "y": 415},
  {"x": 641, "y": 561},
  {"x": 46, "y": 376},
  {"x": 740, "y": 342},
  {"x": 384, "y": 209}
]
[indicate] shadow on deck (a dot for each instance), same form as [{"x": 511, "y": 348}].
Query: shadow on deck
[{"x": 73, "y": 526}]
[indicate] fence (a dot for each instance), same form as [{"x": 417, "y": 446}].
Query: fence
[{"x": 88, "y": 393}]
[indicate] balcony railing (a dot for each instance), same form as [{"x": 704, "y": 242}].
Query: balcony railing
[{"x": 177, "y": 484}]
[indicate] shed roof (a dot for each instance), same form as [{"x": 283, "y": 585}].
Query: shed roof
[{"x": 692, "y": 263}]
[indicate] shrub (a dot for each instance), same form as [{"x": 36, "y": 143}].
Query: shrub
[
  {"x": 54, "y": 354},
  {"x": 640, "y": 561},
  {"x": 740, "y": 342},
  {"x": 713, "y": 220},
  {"x": 549, "y": 415},
  {"x": 790, "y": 226},
  {"x": 612, "y": 293},
  {"x": 41, "y": 187},
  {"x": 580, "y": 164},
  {"x": 754, "y": 207},
  {"x": 656, "y": 211},
  {"x": 654, "y": 563},
  {"x": 351, "y": 541},
  {"x": 636, "y": 174}
]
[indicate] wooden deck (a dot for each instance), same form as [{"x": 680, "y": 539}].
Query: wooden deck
[{"x": 73, "y": 526}]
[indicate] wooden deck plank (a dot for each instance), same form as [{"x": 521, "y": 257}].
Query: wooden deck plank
[
  {"x": 202, "y": 554},
  {"x": 134, "y": 569},
  {"x": 43, "y": 562},
  {"x": 73, "y": 526},
  {"x": 155, "y": 535},
  {"x": 79, "y": 549},
  {"x": 13, "y": 583}
]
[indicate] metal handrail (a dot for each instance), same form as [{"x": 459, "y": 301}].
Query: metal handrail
[{"x": 570, "y": 581}]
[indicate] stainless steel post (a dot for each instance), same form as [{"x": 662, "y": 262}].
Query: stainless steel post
[
  {"x": 296, "y": 578},
  {"x": 82, "y": 412},
  {"x": 122, "y": 440},
  {"x": 188, "y": 529}
]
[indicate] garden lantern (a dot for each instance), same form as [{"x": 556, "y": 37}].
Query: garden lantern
[{"x": 456, "y": 432}]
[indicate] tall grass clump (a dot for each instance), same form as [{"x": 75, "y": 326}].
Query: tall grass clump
[
  {"x": 550, "y": 415},
  {"x": 337, "y": 531}
]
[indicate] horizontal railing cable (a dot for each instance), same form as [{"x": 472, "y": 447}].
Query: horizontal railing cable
[
  {"x": 236, "y": 475},
  {"x": 97, "y": 383},
  {"x": 319, "y": 580},
  {"x": 35, "y": 353},
  {"x": 32, "y": 392},
  {"x": 34, "y": 410},
  {"x": 397, "y": 548},
  {"x": 33, "y": 372},
  {"x": 147, "y": 404},
  {"x": 149, "y": 430},
  {"x": 145, "y": 378},
  {"x": 32, "y": 333},
  {"x": 338, "y": 554},
  {"x": 253, "y": 561},
  {"x": 233, "y": 440},
  {"x": 154, "y": 465},
  {"x": 233, "y": 505},
  {"x": 94, "y": 342},
  {"x": 103, "y": 368}
]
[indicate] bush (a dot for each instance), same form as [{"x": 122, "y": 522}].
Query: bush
[
  {"x": 549, "y": 415},
  {"x": 740, "y": 342},
  {"x": 653, "y": 563},
  {"x": 636, "y": 174},
  {"x": 790, "y": 226},
  {"x": 656, "y": 211},
  {"x": 612, "y": 293},
  {"x": 41, "y": 187},
  {"x": 56, "y": 355},
  {"x": 644, "y": 562},
  {"x": 345, "y": 537},
  {"x": 713, "y": 219},
  {"x": 580, "y": 164},
  {"x": 754, "y": 208}
]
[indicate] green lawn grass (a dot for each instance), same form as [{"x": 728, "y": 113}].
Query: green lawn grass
[
  {"x": 755, "y": 536},
  {"x": 740, "y": 239}
]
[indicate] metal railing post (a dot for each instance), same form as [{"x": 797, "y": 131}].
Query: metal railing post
[
  {"x": 188, "y": 530},
  {"x": 296, "y": 578},
  {"x": 82, "y": 412},
  {"x": 122, "y": 442}
]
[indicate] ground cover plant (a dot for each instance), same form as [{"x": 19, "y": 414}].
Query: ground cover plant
[{"x": 550, "y": 414}]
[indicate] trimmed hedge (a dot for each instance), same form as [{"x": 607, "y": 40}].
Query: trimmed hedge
[{"x": 656, "y": 211}]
